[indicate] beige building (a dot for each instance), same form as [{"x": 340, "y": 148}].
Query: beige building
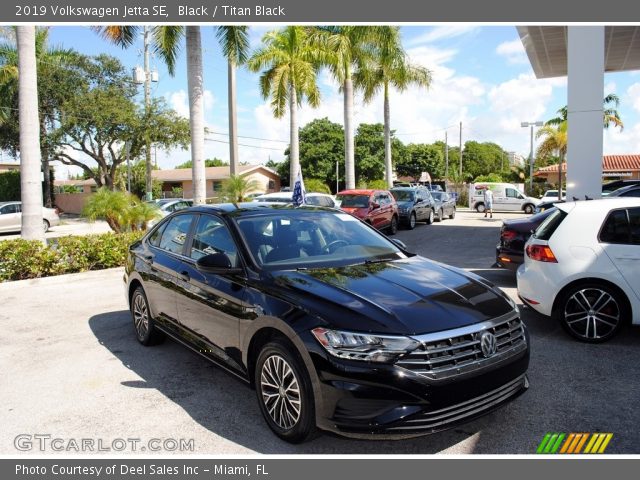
[
  {"x": 9, "y": 167},
  {"x": 71, "y": 195},
  {"x": 614, "y": 167}
]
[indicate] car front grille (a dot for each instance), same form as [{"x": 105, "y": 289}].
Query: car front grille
[{"x": 459, "y": 351}]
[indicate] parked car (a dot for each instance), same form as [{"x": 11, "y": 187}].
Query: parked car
[
  {"x": 312, "y": 198},
  {"x": 332, "y": 323},
  {"x": 11, "y": 217},
  {"x": 414, "y": 204},
  {"x": 445, "y": 205},
  {"x": 378, "y": 208},
  {"x": 581, "y": 267},
  {"x": 505, "y": 197},
  {"x": 610, "y": 187},
  {"x": 628, "y": 191},
  {"x": 513, "y": 235},
  {"x": 169, "y": 205},
  {"x": 551, "y": 195}
]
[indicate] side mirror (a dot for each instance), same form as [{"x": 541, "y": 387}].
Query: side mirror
[
  {"x": 216, "y": 263},
  {"x": 374, "y": 205}
]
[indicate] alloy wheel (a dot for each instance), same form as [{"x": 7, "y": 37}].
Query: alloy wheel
[
  {"x": 140, "y": 316},
  {"x": 280, "y": 392},
  {"x": 592, "y": 314}
]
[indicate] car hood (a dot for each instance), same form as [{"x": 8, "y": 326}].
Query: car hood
[
  {"x": 402, "y": 204},
  {"x": 360, "y": 212},
  {"x": 409, "y": 296}
]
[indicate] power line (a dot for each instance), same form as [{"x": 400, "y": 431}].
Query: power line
[
  {"x": 251, "y": 138},
  {"x": 244, "y": 145}
]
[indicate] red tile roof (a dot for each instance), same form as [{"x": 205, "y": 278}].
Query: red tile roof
[{"x": 610, "y": 163}]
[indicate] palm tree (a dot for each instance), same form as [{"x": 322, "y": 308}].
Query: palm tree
[
  {"x": 555, "y": 142},
  {"x": 30, "y": 185},
  {"x": 48, "y": 60},
  {"x": 346, "y": 49},
  {"x": 611, "y": 116},
  {"x": 236, "y": 188},
  {"x": 390, "y": 68},
  {"x": 234, "y": 41},
  {"x": 291, "y": 65},
  {"x": 166, "y": 41}
]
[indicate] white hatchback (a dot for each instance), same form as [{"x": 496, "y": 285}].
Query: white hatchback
[{"x": 582, "y": 266}]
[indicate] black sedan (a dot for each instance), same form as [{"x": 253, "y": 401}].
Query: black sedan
[
  {"x": 445, "y": 205},
  {"x": 513, "y": 235},
  {"x": 332, "y": 323}
]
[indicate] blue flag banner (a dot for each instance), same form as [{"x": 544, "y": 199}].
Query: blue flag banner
[{"x": 299, "y": 194}]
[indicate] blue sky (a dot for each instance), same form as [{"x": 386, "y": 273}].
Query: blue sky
[{"x": 481, "y": 76}]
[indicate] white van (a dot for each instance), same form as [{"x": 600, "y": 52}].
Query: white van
[{"x": 506, "y": 196}]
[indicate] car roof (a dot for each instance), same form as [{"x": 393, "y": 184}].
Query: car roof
[
  {"x": 358, "y": 191},
  {"x": 603, "y": 204},
  {"x": 290, "y": 195},
  {"x": 2, "y": 204},
  {"x": 238, "y": 209},
  {"x": 624, "y": 189},
  {"x": 407, "y": 188}
]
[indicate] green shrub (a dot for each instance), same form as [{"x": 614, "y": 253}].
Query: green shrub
[
  {"x": 10, "y": 186},
  {"x": 122, "y": 211},
  {"x": 22, "y": 259},
  {"x": 317, "y": 186}
]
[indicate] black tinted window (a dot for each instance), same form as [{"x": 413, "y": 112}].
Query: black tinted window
[
  {"x": 632, "y": 193},
  {"x": 547, "y": 227},
  {"x": 175, "y": 233},
  {"x": 615, "y": 228},
  {"x": 13, "y": 208},
  {"x": 634, "y": 225},
  {"x": 213, "y": 236},
  {"x": 155, "y": 237}
]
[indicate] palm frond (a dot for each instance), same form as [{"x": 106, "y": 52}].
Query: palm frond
[
  {"x": 123, "y": 35},
  {"x": 234, "y": 41},
  {"x": 166, "y": 40}
]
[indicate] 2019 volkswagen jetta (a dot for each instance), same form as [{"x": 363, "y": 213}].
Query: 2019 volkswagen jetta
[{"x": 332, "y": 323}]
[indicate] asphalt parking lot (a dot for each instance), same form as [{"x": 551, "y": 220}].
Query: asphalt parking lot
[{"x": 73, "y": 369}]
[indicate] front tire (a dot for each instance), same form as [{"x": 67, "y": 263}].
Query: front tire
[
  {"x": 440, "y": 215},
  {"x": 146, "y": 331},
  {"x": 592, "y": 312},
  {"x": 284, "y": 393},
  {"x": 45, "y": 225},
  {"x": 480, "y": 208},
  {"x": 453, "y": 214}
]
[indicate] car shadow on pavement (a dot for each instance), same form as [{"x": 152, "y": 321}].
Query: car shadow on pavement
[{"x": 228, "y": 408}]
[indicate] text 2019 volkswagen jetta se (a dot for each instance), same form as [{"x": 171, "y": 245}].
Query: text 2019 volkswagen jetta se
[{"x": 332, "y": 323}]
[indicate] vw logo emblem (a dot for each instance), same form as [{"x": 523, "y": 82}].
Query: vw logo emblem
[{"x": 488, "y": 344}]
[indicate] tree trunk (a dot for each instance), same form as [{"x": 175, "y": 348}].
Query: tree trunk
[
  {"x": 349, "y": 154},
  {"x": 46, "y": 170},
  {"x": 388, "y": 167},
  {"x": 196, "y": 112},
  {"x": 30, "y": 164},
  {"x": 294, "y": 148},
  {"x": 147, "y": 112},
  {"x": 233, "y": 121},
  {"x": 560, "y": 160}
]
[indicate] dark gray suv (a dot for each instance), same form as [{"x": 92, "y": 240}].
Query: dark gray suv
[{"x": 415, "y": 204}]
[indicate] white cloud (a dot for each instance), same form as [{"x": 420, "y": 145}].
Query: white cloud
[
  {"x": 513, "y": 51},
  {"x": 633, "y": 93},
  {"x": 179, "y": 101},
  {"x": 610, "y": 87},
  {"x": 622, "y": 142},
  {"x": 442, "y": 33}
]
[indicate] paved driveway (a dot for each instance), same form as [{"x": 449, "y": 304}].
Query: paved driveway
[{"x": 72, "y": 368}]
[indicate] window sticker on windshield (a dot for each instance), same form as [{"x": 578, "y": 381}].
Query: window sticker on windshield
[
  {"x": 345, "y": 217},
  {"x": 285, "y": 221}
]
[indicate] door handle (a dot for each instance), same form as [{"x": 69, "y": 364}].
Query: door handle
[{"x": 185, "y": 276}]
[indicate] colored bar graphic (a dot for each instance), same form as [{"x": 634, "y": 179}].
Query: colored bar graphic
[{"x": 573, "y": 443}]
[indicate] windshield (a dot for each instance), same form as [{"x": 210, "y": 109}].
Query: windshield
[
  {"x": 311, "y": 239},
  {"x": 403, "y": 195},
  {"x": 436, "y": 195},
  {"x": 353, "y": 201}
]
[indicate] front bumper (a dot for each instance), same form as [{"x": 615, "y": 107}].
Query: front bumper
[{"x": 362, "y": 399}]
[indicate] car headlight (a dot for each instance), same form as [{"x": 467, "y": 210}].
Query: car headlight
[{"x": 363, "y": 346}]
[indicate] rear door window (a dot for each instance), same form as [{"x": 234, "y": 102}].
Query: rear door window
[
  {"x": 175, "y": 234},
  {"x": 615, "y": 228},
  {"x": 634, "y": 225}
]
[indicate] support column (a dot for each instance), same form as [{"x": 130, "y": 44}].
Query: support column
[{"x": 585, "y": 91}]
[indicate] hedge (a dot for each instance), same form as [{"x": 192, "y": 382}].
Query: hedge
[{"x": 23, "y": 259}]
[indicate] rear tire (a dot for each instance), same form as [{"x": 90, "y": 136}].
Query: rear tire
[
  {"x": 284, "y": 392},
  {"x": 528, "y": 209},
  {"x": 146, "y": 331},
  {"x": 45, "y": 225},
  {"x": 393, "y": 228},
  {"x": 592, "y": 312},
  {"x": 480, "y": 208},
  {"x": 453, "y": 214},
  {"x": 411, "y": 223}
]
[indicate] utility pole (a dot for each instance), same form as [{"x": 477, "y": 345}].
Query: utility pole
[
  {"x": 127, "y": 147},
  {"x": 337, "y": 176},
  {"x": 460, "y": 172},
  {"x": 532, "y": 124},
  {"x": 147, "y": 108},
  {"x": 446, "y": 155}
]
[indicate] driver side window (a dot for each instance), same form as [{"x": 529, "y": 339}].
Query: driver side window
[{"x": 213, "y": 236}]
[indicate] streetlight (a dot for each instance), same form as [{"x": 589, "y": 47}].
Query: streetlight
[{"x": 524, "y": 125}]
